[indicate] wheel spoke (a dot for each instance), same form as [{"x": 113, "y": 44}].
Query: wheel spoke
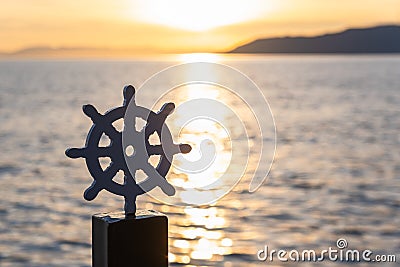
[
  {"x": 111, "y": 170},
  {"x": 110, "y": 131},
  {"x": 155, "y": 150},
  {"x": 151, "y": 125},
  {"x": 104, "y": 151},
  {"x": 155, "y": 179},
  {"x": 156, "y": 121}
]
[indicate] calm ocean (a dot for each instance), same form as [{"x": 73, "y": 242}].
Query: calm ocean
[{"x": 336, "y": 172}]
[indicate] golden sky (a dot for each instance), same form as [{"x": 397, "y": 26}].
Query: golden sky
[{"x": 179, "y": 25}]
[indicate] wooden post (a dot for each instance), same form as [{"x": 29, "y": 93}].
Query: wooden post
[{"x": 125, "y": 240}]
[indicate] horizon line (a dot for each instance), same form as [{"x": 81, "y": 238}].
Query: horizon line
[{"x": 49, "y": 51}]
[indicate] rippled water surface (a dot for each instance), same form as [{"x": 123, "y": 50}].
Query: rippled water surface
[{"x": 336, "y": 172}]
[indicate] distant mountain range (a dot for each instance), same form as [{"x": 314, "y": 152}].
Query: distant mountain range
[
  {"x": 380, "y": 39},
  {"x": 72, "y": 52},
  {"x": 65, "y": 52}
]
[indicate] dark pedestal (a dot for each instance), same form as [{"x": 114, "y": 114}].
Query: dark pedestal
[{"x": 119, "y": 240}]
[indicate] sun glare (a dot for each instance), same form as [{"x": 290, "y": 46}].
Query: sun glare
[
  {"x": 199, "y": 57},
  {"x": 194, "y": 15}
]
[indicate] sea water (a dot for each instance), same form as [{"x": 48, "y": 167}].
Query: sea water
[{"x": 336, "y": 172}]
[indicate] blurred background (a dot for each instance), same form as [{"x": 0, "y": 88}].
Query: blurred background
[{"x": 337, "y": 164}]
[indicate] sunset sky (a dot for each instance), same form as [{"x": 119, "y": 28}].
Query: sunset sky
[{"x": 179, "y": 25}]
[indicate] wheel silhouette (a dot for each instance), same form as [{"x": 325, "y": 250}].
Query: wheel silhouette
[{"x": 133, "y": 152}]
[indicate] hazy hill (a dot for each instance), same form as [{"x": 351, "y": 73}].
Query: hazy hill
[
  {"x": 71, "y": 52},
  {"x": 381, "y": 39}
]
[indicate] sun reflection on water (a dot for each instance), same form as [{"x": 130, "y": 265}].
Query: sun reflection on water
[
  {"x": 202, "y": 236},
  {"x": 197, "y": 234},
  {"x": 202, "y": 133},
  {"x": 199, "y": 57}
]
